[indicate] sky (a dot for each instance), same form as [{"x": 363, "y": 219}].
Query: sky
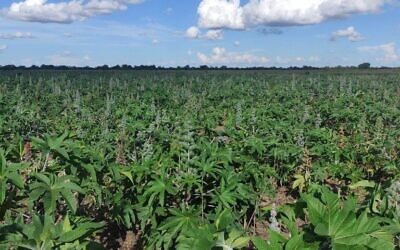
[{"x": 197, "y": 32}]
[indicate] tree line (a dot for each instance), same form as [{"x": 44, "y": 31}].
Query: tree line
[{"x": 187, "y": 67}]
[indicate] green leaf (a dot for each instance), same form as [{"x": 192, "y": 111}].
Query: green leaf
[
  {"x": 240, "y": 242},
  {"x": 66, "y": 225},
  {"x": 3, "y": 189},
  {"x": 16, "y": 179},
  {"x": 259, "y": 243},
  {"x": 363, "y": 183},
  {"x": 81, "y": 231},
  {"x": 223, "y": 220},
  {"x": 43, "y": 178},
  {"x": 128, "y": 175},
  {"x": 69, "y": 199}
]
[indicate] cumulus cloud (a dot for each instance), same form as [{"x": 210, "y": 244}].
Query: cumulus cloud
[
  {"x": 222, "y": 56},
  {"x": 350, "y": 33},
  {"x": 217, "y": 14},
  {"x": 3, "y": 47},
  {"x": 221, "y": 14},
  {"x": 193, "y": 32},
  {"x": 16, "y": 35},
  {"x": 213, "y": 34},
  {"x": 387, "y": 52},
  {"x": 62, "y": 12}
]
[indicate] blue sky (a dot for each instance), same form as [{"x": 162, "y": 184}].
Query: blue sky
[{"x": 213, "y": 32}]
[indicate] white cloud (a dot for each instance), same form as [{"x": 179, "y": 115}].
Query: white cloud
[
  {"x": 62, "y": 12},
  {"x": 68, "y": 59},
  {"x": 217, "y": 14},
  {"x": 16, "y": 35},
  {"x": 192, "y": 32},
  {"x": 155, "y": 41},
  {"x": 298, "y": 60},
  {"x": 386, "y": 52},
  {"x": 221, "y": 14},
  {"x": 222, "y": 56},
  {"x": 350, "y": 33},
  {"x": 236, "y": 43},
  {"x": 3, "y": 47},
  {"x": 213, "y": 34}
]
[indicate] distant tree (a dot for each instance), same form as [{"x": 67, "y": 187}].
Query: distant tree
[
  {"x": 126, "y": 67},
  {"x": 11, "y": 66},
  {"x": 364, "y": 66},
  {"x": 105, "y": 66},
  {"x": 116, "y": 67},
  {"x": 203, "y": 67}
]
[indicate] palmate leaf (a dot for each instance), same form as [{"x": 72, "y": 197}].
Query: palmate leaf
[
  {"x": 338, "y": 221},
  {"x": 44, "y": 233},
  {"x": 255, "y": 145},
  {"x": 364, "y": 231},
  {"x": 9, "y": 174},
  {"x": 180, "y": 221},
  {"x": 53, "y": 188},
  {"x": 278, "y": 241},
  {"x": 228, "y": 193},
  {"x": 200, "y": 238},
  {"x": 55, "y": 144},
  {"x": 158, "y": 189}
]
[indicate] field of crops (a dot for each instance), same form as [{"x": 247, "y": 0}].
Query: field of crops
[{"x": 199, "y": 160}]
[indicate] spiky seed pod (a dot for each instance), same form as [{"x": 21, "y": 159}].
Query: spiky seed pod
[
  {"x": 393, "y": 193},
  {"x": 27, "y": 151},
  {"x": 148, "y": 150},
  {"x": 342, "y": 137},
  {"x": 306, "y": 160},
  {"x": 238, "y": 115},
  {"x": 274, "y": 224},
  {"x": 130, "y": 241},
  {"x": 379, "y": 126},
  {"x": 318, "y": 121},
  {"x": 121, "y": 159},
  {"x": 300, "y": 140},
  {"x": 393, "y": 154},
  {"x": 306, "y": 116}
]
